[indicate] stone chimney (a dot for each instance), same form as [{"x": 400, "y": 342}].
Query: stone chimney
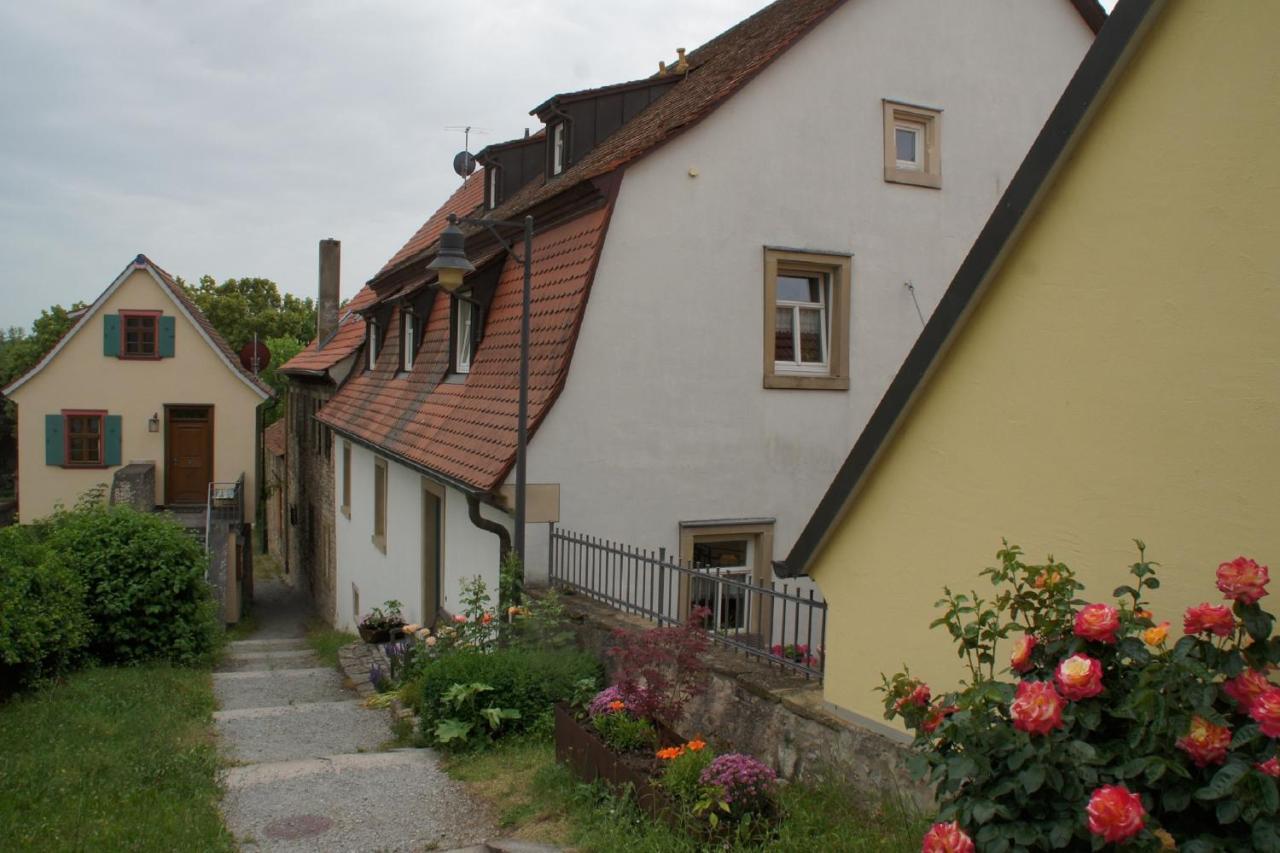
[{"x": 327, "y": 304}]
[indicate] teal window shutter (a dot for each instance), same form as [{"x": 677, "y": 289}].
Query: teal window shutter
[
  {"x": 167, "y": 332},
  {"x": 111, "y": 335},
  {"x": 54, "y": 441},
  {"x": 111, "y": 440}
]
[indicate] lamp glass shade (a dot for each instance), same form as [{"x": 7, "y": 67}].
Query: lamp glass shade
[{"x": 450, "y": 278}]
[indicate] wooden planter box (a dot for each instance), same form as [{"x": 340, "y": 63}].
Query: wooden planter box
[{"x": 590, "y": 758}]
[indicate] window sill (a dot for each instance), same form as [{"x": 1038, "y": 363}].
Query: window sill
[
  {"x": 380, "y": 542},
  {"x": 912, "y": 177},
  {"x": 801, "y": 380},
  {"x": 123, "y": 357},
  {"x": 85, "y": 466}
]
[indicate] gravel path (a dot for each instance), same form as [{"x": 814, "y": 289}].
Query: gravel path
[{"x": 307, "y": 770}]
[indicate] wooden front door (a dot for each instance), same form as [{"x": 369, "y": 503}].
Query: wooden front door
[{"x": 188, "y": 467}]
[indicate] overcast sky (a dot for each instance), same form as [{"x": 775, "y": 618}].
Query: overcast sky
[{"x": 227, "y": 138}]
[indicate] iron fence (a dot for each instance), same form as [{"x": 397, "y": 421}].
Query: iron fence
[{"x": 781, "y": 623}]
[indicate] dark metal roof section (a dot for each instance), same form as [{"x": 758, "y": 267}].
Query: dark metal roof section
[{"x": 1088, "y": 88}]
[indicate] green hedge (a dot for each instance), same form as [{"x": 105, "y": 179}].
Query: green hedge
[
  {"x": 145, "y": 589},
  {"x": 529, "y": 681},
  {"x": 43, "y": 625}
]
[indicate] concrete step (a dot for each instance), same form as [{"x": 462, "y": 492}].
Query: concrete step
[
  {"x": 251, "y": 661},
  {"x": 395, "y": 801},
  {"x": 300, "y": 731},
  {"x": 235, "y": 647},
  {"x": 275, "y": 687}
]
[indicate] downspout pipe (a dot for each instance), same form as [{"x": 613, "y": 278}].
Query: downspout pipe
[{"x": 504, "y": 538}]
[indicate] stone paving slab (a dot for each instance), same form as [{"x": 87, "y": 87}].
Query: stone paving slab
[
  {"x": 278, "y": 687},
  {"x": 237, "y": 646},
  {"x": 307, "y": 730},
  {"x": 392, "y": 801},
  {"x": 250, "y": 661}
]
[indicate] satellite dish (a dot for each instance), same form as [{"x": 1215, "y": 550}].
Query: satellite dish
[{"x": 464, "y": 163}]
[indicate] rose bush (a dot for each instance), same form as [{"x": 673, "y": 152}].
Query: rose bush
[{"x": 1101, "y": 731}]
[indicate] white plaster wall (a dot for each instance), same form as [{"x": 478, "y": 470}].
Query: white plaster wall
[
  {"x": 397, "y": 573},
  {"x": 664, "y": 417}
]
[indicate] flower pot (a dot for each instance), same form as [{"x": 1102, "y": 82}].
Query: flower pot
[
  {"x": 373, "y": 635},
  {"x": 590, "y": 758}
]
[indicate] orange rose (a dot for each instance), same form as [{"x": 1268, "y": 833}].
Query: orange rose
[
  {"x": 1155, "y": 636},
  {"x": 1243, "y": 580},
  {"x": 918, "y": 696},
  {"x": 1036, "y": 708},
  {"x": 1020, "y": 660},
  {"x": 1115, "y": 813},
  {"x": 1097, "y": 622},
  {"x": 1206, "y": 743},
  {"x": 946, "y": 838},
  {"x": 936, "y": 716},
  {"x": 1142, "y": 614},
  {"x": 1079, "y": 677}
]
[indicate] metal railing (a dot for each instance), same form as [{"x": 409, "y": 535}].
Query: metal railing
[
  {"x": 780, "y": 623},
  {"x": 224, "y": 503}
]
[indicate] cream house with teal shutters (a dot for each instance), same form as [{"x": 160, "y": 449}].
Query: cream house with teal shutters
[{"x": 142, "y": 377}]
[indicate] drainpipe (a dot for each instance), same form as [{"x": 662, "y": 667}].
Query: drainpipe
[{"x": 504, "y": 538}]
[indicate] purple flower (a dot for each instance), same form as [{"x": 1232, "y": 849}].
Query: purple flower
[
  {"x": 600, "y": 704},
  {"x": 742, "y": 779},
  {"x": 375, "y": 675}
]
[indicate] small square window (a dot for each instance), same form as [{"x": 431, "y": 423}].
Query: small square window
[
  {"x": 141, "y": 335},
  {"x": 912, "y": 145},
  {"x": 806, "y": 320}
]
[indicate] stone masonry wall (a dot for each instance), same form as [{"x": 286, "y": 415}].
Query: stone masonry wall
[
  {"x": 135, "y": 485},
  {"x": 309, "y": 515},
  {"x": 756, "y": 708}
]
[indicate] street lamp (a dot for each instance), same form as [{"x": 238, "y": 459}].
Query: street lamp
[{"x": 451, "y": 266}]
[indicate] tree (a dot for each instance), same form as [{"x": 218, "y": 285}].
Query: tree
[
  {"x": 239, "y": 308},
  {"x": 282, "y": 349}
]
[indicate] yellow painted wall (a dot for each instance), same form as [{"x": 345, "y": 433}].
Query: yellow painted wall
[
  {"x": 1121, "y": 378},
  {"x": 81, "y": 377}
]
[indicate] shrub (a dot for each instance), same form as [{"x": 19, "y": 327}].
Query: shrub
[
  {"x": 661, "y": 669},
  {"x": 1113, "y": 733},
  {"x": 145, "y": 591},
  {"x": 473, "y": 718},
  {"x": 625, "y": 733},
  {"x": 528, "y": 681},
  {"x": 43, "y": 624},
  {"x": 739, "y": 784}
]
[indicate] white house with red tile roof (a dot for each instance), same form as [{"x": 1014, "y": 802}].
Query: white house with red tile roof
[{"x": 731, "y": 259}]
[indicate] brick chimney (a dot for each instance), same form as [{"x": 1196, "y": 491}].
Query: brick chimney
[{"x": 327, "y": 303}]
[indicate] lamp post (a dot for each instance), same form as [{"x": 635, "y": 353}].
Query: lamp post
[{"x": 451, "y": 267}]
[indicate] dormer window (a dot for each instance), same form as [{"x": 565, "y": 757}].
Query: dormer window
[
  {"x": 466, "y": 322},
  {"x": 408, "y": 340},
  {"x": 493, "y": 174},
  {"x": 558, "y": 148},
  {"x": 371, "y": 343}
]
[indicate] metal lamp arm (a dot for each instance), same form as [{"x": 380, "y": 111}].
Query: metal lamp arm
[{"x": 491, "y": 224}]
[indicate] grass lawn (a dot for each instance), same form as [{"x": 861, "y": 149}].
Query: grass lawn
[
  {"x": 536, "y": 799},
  {"x": 112, "y": 759},
  {"x": 325, "y": 641}
]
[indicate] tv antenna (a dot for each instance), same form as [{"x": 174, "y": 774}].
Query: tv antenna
[{"x": 464, "y": 162}]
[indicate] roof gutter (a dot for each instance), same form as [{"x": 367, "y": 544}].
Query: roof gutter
[
  {"x": 504, "y": 537},
  {"x": 443, "y": 479}
]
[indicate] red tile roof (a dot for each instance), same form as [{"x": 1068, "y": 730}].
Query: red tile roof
[
  {"x": 466, "y": 430},
  {"x": 273, "y": 438},
  {"x": 464, "y": 200},
  {"x": 346, "y": 340}
]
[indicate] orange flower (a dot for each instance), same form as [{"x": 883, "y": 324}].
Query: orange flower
[
  {"x": 1155, "y": 636},
  {"x": 486, "y": 618},
  {"x": 695, "y": 745},
  {"x": 1243, "y": 580},
  {"x": 671, "y": 752},
  {"x": 617, "y": 705},
  {"x": 1079, "y": 677},
  {"x": 1097, "y": 622},
  {"x": 1020, "y": 660},
  {"x": 1142, "y": 614}
]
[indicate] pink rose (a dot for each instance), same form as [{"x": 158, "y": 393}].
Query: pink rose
[
  {"x": 1020, "y": 660},
  {"x": 1209, "y": 618},
  {"x": 1206, "y": 743},
  {"x": 1036, "y": 708},
  {"x": 1243, "y": 580},
  {"x": 1098, "y": 622},
  {"x": 1079, "y": 677},
  {"x": 947, "y": 838},
  {"x": 1115, "y": 813},
  {"x": 1265, "y": 710}
]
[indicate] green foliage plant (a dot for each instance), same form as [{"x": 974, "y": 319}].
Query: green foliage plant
[
  {"x": 530, "y": 681},
  {"x": 625, "y": 733},
  {"x": 43, "y": 624},
  {"x": 144, "y": 579},
  {"x": 682, "y": 769},
  {"x": 471, "y": 718},
  {"x": 1103, "y": 728}
]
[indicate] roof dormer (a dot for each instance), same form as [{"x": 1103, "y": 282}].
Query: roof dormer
[{"x": 508, "y": 166}]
